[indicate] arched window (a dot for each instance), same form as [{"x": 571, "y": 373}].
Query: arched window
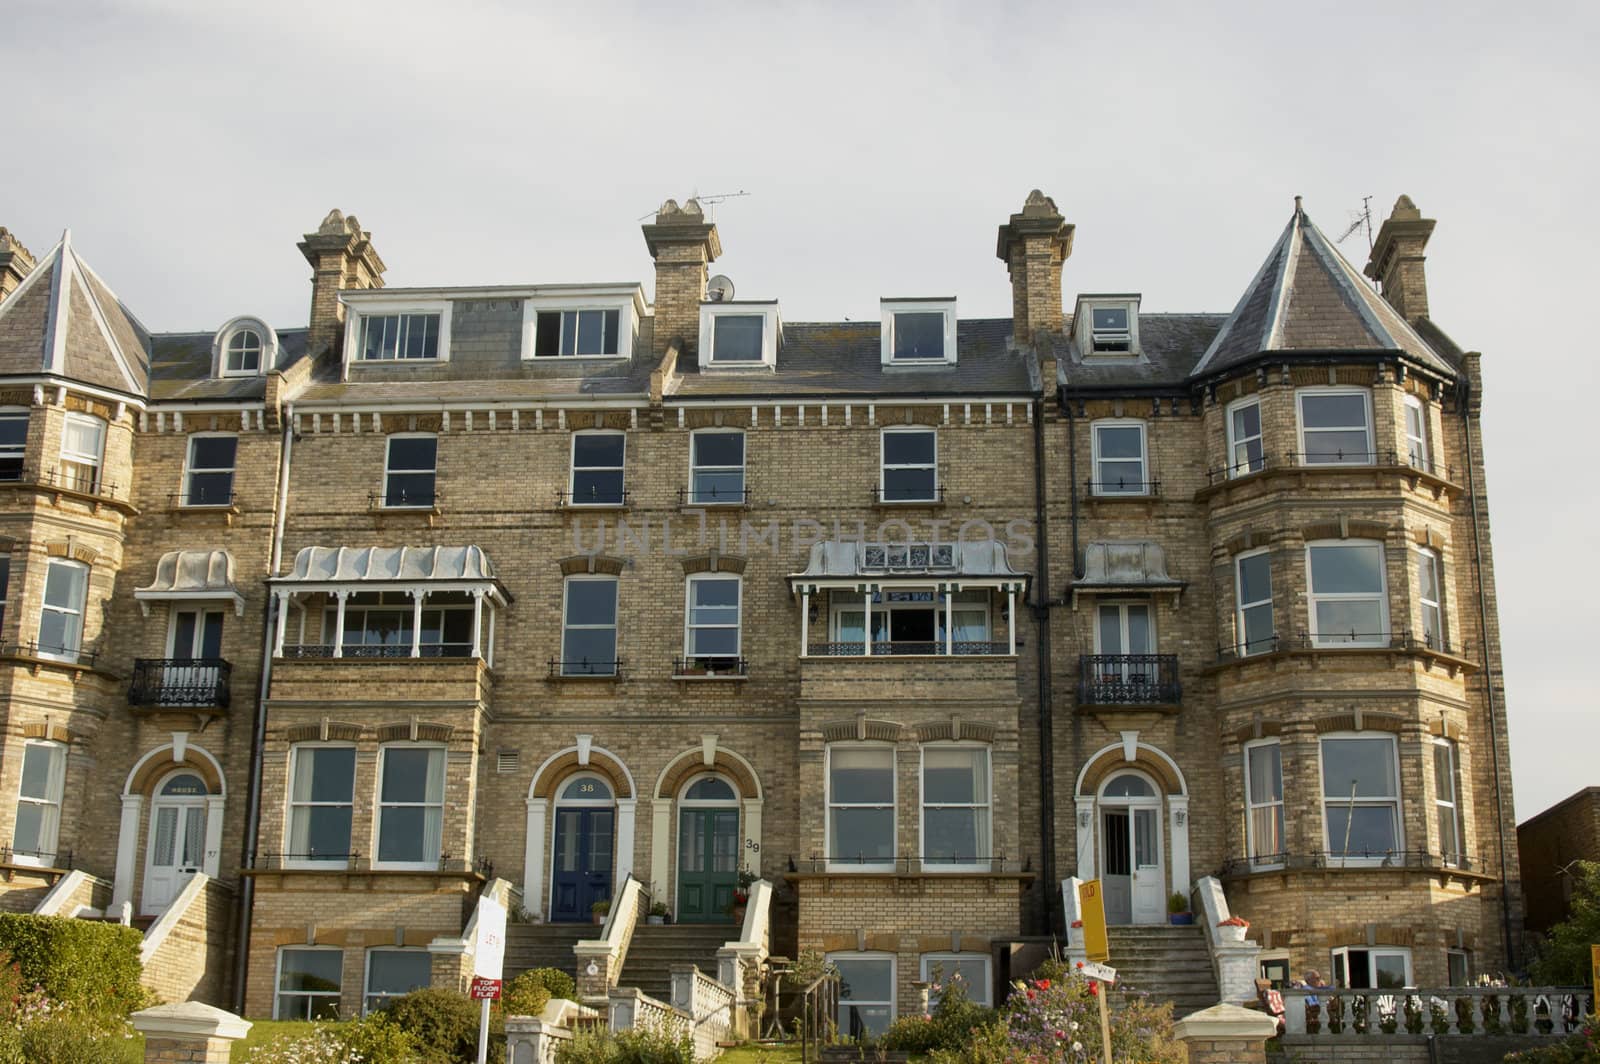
[
  {"x": 1128, "y": 785},
  {"x": 244, "y": 352}
]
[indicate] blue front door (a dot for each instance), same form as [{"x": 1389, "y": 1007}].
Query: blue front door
[{"x": 582, "y": 874}]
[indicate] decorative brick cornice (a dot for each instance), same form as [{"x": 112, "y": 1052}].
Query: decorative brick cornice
[
  {"x": 714, "y": 562},
  {"x": 580, "y": 564}
]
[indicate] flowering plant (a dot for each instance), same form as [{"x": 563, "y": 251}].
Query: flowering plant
[
  {"x": 1077, "y": 923},
  {"x": 1234, "y": 921}
]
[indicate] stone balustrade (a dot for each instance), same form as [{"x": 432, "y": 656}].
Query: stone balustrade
[{"x": 1338, "y": 1014}]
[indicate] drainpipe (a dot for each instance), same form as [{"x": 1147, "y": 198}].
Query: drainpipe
[
  {"x": 258, "y": 733},
  {"x": 1072, "y": 484},
  {"x": 1042, "y": 597},
  {"x": 1488, "y": 676}
]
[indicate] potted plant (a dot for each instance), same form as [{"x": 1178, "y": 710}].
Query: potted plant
[
  {"x": 600, "y": 909},
  {"x": 741, "y": 895},
  {"x": 658, "y": 913},
  {"x": 1178, "y": 913},
  {"x": 1232, "y": 929}
]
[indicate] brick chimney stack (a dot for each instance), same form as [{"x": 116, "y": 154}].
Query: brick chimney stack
[
  {"x": 1033, "y": 245},
  {"x": 1396, "y": 260},
  {"x": 16, "y": 262},
  {"x": 341, "y": 256},
  {"x": 683, "y": 243}
]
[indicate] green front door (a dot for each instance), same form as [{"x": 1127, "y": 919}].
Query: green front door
[{"x": 708, "y": 865}]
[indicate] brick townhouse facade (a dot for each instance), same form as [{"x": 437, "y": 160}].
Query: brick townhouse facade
[{"x": 912, "y": 617}]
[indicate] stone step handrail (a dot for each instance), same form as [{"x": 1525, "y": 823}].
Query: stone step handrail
[
  {"x": 629, "y": 1008},
  {"x": 711, "y": 1006},
  {"x": 600, "y": 960},
  {"x": 1341, "y": 1013}
]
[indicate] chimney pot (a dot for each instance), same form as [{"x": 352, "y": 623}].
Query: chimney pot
[
  {"x": 1034, "y": 244},
  {"x": 342, "y": 257},
  {"x": 683, "y": 244},
  {"x": 16, "y": 262},
  {"x": 1397, "y": 259}
]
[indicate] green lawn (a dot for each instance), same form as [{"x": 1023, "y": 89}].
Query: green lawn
[{"x": 762, "y": 1055}]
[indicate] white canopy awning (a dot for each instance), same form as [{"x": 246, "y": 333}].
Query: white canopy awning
[
  {"x": 192, "y": 575},
  {"x": 464, "y": 568},
  {"x": 1118, "y": 566},
  {"x": 851, "y": 564}
]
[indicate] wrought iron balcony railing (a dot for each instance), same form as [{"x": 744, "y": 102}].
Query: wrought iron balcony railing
[
  {"x": 1351, "y": 640},
  {"x": 714, "y": 496},
  {"x": 34, "y": 649},
  {"x": 584, "y": 668},
  {"x": 707, "y": 667},
  {"x": 594, "y": 497},
  {"x": 377, "y": 650},
  {"x": 889, "y": 649},
  {"x": 912, "y": 865},
  {"x": 36, "y": 858},
  {"x": 193, "y": 682},
  {"x": 1412, "y": 859},
  {"x": 907, "y": 496},
  {"x": 1121, "y": 488},
  {"x": 1129, "y": 680}
]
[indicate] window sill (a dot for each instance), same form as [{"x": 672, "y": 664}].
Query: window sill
[
  {"x": 601, "y": 507},
  {"x": 582, "y": 677},
  {"x": 551, "y": 360},
  {"x": 709, "y": 677},
  {"x": 909, "y": 504},
  {"x": 1302, "y": 476},
  {"x": 1450, "y": 662},
  {"x": 56, "y": 493},
  {"x": 37, "y": 663},
  {"x": 226, "y": 511},
  {"x": 427, "y": 516},
  {"x": 689, "y": 505}
]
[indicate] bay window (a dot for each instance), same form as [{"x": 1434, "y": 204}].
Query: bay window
[
  {"x": 1335, "y": 426},
  {"x": 13, "y": 442},
  {"x": 322, "y": 782},
  {"x": 1245, "y": 451},
  {"x": 83, "y": 441},
  {"x": 861, "y": 807},
  {"x": 66, "y": 584},
  {"x": 1446, "y": 802},
  {"x": 1348, "y": 603},
  {"x": 1253, "y": 595},
  {"x": 955, "y": 806},
  {"x": 1416, "y": 432},
  {"x": 1263, "y": 793},
  {"x": 1428, "y": 599},
  {"x": 410, "y": 806},
  {"x": 44, "y": 768},
  {"x": 1360, "y": 796}
]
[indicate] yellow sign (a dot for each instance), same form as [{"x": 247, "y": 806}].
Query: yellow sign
[
  {"x": 1092, "y": 911},
  {"x": 1594, "y": 963}
]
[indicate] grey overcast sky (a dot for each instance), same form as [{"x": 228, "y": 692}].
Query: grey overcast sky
[{"x": 188, "y": 144}]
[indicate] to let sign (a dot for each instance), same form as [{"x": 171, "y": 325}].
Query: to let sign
[
  {"x": 489, "y": 944},
  {"x": 1103, "y": 972},
  {"x": 1092, "y": 911},
  {"x": 484, "y": 989}
]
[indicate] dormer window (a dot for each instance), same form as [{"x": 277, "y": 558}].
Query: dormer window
[
  {"x": 592, "y": 321},
  {"x": 245, "y": 347},
  {"x": 736, "y": 335},
  {"x": 918, "y": 332},
  {"x": 385, "y": 327},
  {"x": 576, "y": 333},
  {"x": 1111, "y": 335},
  {"x": 1107, "y": 326}
]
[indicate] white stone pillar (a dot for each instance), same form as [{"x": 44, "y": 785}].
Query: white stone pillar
[
  {"x": 805, "y": 622},
  {"x": 533, "y": 857},
  {"x": 211, "y": 859},
  {"x": 417, "y": 595},
  {"x": 950, "y": 623},
  {"x": 283, "y": 623},
  {"x": 489, "y": 655},
  {"x": 1178, "y": 816},
  {"x": 660, "y": 855},
  {"x": 752, "y": 833},
  {"x": 189, "y": 1030},
  {"x": 477, "y": 623},
  {"x": 127, "y": 850},
  {"x": 1086, "y": 861},
  {"x": 625, "y": 833},
  {"x": 1011, "y": 619},
  {"x": 866, "y": 623},
  {"x": 338, "y": 623}
]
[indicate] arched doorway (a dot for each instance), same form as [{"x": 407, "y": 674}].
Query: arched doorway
[
  {"x": 175, "y": 850},
  {"x": 708, "y": 850},
  {"x": 1131, "y": 849},
  {"x": 581, "y": 847}
]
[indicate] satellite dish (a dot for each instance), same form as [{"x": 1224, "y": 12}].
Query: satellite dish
[{"x": 719, "y": 289}]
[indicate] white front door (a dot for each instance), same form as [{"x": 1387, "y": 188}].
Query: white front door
[
  {"x": 177, "y": 842},
  {"x": 1130, "y": 851}
]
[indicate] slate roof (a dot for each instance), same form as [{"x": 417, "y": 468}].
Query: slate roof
[
  {"x": 1169, "y": 347},
  {"x": 821, "y": 359},
  {"x": 180, "y": 367},
  {"x": 64, "y": 321},
  {"x": 1306, "y": 297}
]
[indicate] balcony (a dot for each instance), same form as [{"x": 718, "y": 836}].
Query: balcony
[
  {"x": 710, "y": 668},
  {"x": 898, "y": 648},
  {"x": 193, "y": 683},
  {"x": 1129, "y": 680},
  {"x": 317, "y": 651}
]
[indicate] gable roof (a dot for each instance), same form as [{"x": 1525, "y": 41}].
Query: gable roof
[
  {"x": 64, "y": 321},
  {"x": 1306, "y": 297}
]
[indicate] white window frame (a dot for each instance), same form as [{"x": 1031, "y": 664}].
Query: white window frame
[
  {"x": 1419, "y": 453},
  {"x": 627, "y": 300},
  {"x": 770, "y": 325},
  {"x": 693, "y": 496},
  {"x": 613, "y": 627},
  {"x": 50, "y": 820},
  {"x": 1372, "y": 952},
  {"x": 278, "y": 993},
  {"x": 1313, "y": 597},
  {"x": 1241, "y": 637},
  {"x": 689, "y": 627},
  {"x": 190, "y": 469},
  {"x": 572, "y": 469},
  {"x": 930, "y": 961},
  {"x": 1332, "y": 390},
  {"x": 360, "y": 311},
  {"x": 1451, "y": 806},
  {"x": 1274, "y": 956},
  {"x": 379, "y": 805},
  {"x": 884, "y": 466},
  {"x": 1085, "y": 332},
  {"x": 1237, "y": 468},
  {"x": 78, "y": 611},
  {"x": 222, "y": 347},
  {"x": 1100, "y": 484},
  {"x": 1466, "y": 966},
  {"x": 290, "y": 804},
  {"x": 889, "y": 308},
  {"x": 1394, "y": 803},
  {"x": 83, "y": 458},
  {"x": 1428, "y": 560},
  {"x": 892, "y": 960},
  {"x": 236, "y": 345},
  {"x": 368, "y": 994},
  {"x": 19, "y": 452},
  {"x": 984, "y": 809},
  {"x": 389, "y": 468},
  {"x": 1252, "y": 804},
  {"x": 1122, "y": 606},
  {"x": 893, "y": 806}
]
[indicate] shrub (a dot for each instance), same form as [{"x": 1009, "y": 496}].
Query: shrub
[
  {"x": 524, "y": 997},
  {"x": 1056, "y": 1018},
  {"x": 642, "y": 1045},
  {"x": 1563, "y": 959},
  {"x": 951, "y": 1024},
  {"x": 444, "y": 1025},
  {"x": 559, "y": 983},
  {"x": 41, "y": 1031},
  {"x": 78, "y": 962},
  {"x": 1580, "y": 1048}
]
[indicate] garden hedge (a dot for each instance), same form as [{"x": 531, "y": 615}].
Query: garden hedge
[{"x": 82, "y": 962}]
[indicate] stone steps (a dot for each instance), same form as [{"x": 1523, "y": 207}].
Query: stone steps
[
  {"x": 656, "y": 948},
  {"x": 1167, "y": 964},
  {"x": 544, "y": 946}
]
